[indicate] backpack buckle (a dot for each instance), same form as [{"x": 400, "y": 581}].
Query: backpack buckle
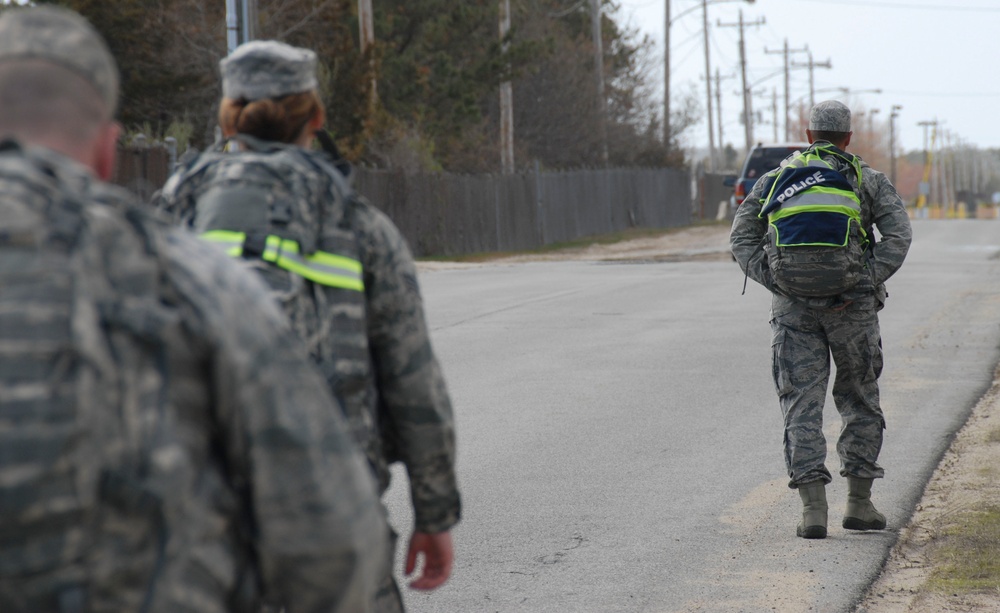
[{"x": 254, "y": 245}]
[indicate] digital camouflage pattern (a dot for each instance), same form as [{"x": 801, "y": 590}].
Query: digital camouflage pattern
[
  {"x": 807, "y": 330},
  {"x": 207, "y": 468},
  {"x": 373, "y": 347},
  {"x": 830, "y": 116},
  {"x": 267, "y": 69},
  {"x": 65, "y": 38},
  {"x": 803, "y": 340}
]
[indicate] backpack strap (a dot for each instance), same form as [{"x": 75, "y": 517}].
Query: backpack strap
[{"x": 297, "y": 254}]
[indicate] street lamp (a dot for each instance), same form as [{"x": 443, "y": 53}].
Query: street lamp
[
  {"x": 668, "y": 21},
  {"x": 875, "y": 140}
]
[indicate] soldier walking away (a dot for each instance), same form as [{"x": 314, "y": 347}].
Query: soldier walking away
[
  {"x": 806, "y": 233},
  {"x": 343, "y": 274},
  {"x": 165, "y": 444}
]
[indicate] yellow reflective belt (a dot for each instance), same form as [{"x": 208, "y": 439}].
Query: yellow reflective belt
[
  {"x": 320, "y": 267},
  {"x": 232, "y": 242}
]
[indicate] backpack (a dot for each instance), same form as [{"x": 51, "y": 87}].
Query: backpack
[
  {"x": 290, "y": 215},
  {"x": 261, "y": 205},
  {"x": 815, "y": 243},
  {"x": 82, "y": 394}
]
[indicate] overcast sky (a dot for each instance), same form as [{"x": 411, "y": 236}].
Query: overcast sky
[{"x": 938, "y": 59}]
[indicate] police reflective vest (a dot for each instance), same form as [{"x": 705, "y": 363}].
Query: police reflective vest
[{"x": 320, "y": 267}]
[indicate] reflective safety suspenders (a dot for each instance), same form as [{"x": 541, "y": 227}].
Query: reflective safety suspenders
[{"x": 320, "y": 267}]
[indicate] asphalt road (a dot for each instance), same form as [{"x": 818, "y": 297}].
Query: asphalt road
[{"x": 620, "y": 439}]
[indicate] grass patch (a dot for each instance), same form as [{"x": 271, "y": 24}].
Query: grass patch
[
  {"x": 993, "y": 436},
  {"x": 580, "y": 243},
  {"x": 967, "y": 560}
]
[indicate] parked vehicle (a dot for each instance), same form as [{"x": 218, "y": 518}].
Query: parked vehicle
[{"x": 762, "y": 159}]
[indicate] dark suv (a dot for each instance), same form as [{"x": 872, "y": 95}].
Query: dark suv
[{"x": 762, "y": 159}]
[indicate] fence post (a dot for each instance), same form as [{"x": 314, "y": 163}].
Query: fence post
[
  {"x": 497, "y": 189},
  {"x": 172, "y": 150},
  {"x": 539, "y": 203}
]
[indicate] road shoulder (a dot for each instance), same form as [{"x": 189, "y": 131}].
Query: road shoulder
[{"x": 967, "y": 480}]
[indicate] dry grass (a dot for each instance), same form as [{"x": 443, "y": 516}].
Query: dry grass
[{"x": 966, "y": 557}]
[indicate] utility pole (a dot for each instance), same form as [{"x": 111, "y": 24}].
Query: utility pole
[
  {"x": 718, "y": 105},
  {"x": 666, "y": 77},
  {"x": 602, "y": 102},
  {"x": 747, "y": 104},
  {"x": 232, "y": 26},
  {"x": 872, "y": 134},
  {"x": 506, "y": 100},
  {"x": 944, "y": 191},
  {"x": 925, "y": 184},
  {"x": 708, "y": 88},
  {"x": 366, "y": 24},
  {"x": 774, "y": 112},
  {"x": 786, "y": 52},
  {"x": 249, "y": 9},
  {"x": 892, "y": 142},
  {"x": 668, "y": 21},
  {"x": 812, "y": 66},
  {"x": 366, "y": 29},
  {"x": 241, "y": 16}
]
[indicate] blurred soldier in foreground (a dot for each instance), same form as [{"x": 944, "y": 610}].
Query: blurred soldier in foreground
[
  {"x": 343, "y": 274},
  {"x": 165, "y": 445},
  {"x": 806, "y": 233}
]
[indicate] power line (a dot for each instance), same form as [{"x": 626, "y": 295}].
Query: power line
[
  {"x": 945, "y": 94},
  {"x": 909, "y": 6}
]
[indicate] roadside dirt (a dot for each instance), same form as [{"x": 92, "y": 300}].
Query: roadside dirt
[
  {"x": 703, "y": 242},
  {"x": 966, "y": 480}
]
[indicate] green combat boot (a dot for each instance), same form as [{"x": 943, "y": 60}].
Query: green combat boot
[
  {"x": 861, "y": 513},
  {"x": 814, "y": 508}
]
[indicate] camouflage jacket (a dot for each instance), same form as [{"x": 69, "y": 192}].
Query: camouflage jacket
[
  {"x": 881, "y": 208},
  {"x": 376, "y": 354},
  {"x": 265, "y": 493}
]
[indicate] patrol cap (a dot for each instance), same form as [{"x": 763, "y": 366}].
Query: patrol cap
[
  {"x": 62, "y": 37},
  {"x": 830, "y": 116},
  {"x": 267, "y": 69}
]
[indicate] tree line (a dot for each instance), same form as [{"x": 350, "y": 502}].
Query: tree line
[{"x": 437, "y": 68}]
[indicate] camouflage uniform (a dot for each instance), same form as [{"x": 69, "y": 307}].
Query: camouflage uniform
[
  {"x": 385, "y": 373},
  {"x": 806, "y": 332},
  {"x": 156, "y": 453},
  {"x": 261, "y": 439},
  {"x": 372, "y": 345}
]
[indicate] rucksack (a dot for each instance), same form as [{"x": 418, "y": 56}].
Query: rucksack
[
  {"x": 815, "y": 243},
  {"x": 291, "y": 216},
  {"x": 260, "y": 204},
  {"x": 82, "y": 393}
]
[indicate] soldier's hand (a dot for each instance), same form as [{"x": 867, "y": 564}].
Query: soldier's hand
[{"x": 438, "y": 556}]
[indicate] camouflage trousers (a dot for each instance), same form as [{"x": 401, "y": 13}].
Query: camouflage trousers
[
  {"x": 803, "y": 342},
  {"x": 388, "y": 599}
]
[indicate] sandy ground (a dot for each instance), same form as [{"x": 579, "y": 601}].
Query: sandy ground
[{"x": 965, "y": 480}]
